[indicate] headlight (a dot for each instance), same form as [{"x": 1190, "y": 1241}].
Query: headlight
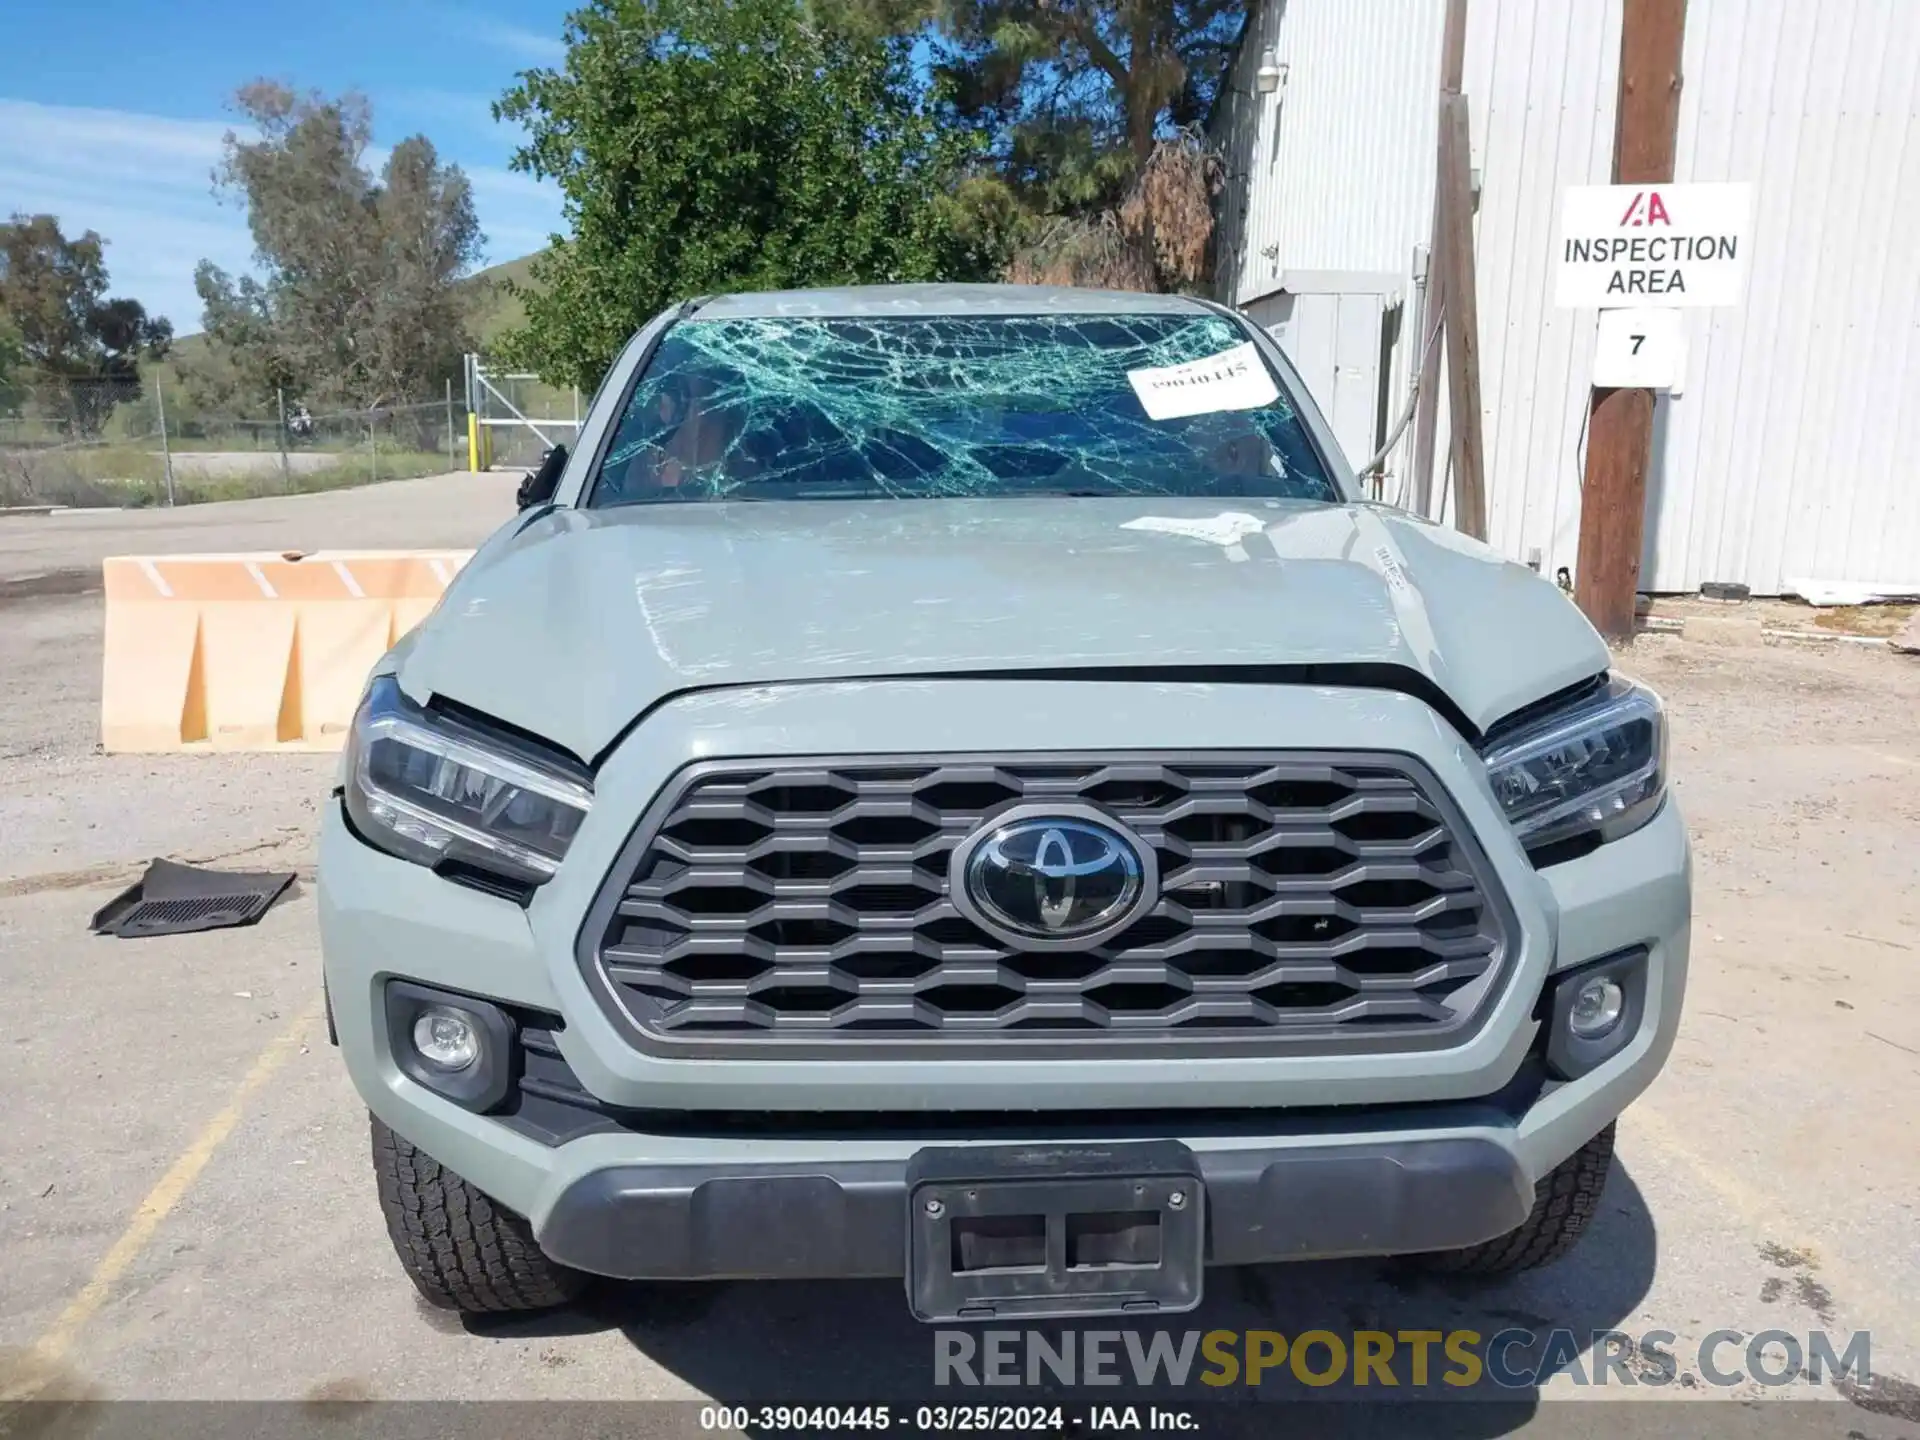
[
  {"x": 1597, "y": 767},
  {"x": 431, "y": 788}
]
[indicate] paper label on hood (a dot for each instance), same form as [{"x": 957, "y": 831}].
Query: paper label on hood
[
  {"x": 1228, "y": 528},
  {"x": 1235, "y": 379},
  {"x": 1390, "y": 568}
]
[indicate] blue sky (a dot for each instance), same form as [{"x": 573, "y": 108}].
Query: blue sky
[{"x": 112, "y": 114}]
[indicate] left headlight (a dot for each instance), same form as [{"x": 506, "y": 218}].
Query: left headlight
[
  {"x": 1596, "y": 767},
  {"x": 431, "y": 788}
]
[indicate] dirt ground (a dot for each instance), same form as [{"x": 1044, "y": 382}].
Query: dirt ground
[{"x": 187, "y": 1210}]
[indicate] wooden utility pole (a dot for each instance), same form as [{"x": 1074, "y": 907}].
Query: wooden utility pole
[
  {"x": 1613, "y": 498},
  {"x": 1455, "y": 210},
  {"x": 1453, "y": 69}
]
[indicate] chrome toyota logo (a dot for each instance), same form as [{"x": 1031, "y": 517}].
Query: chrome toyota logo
[{"x": 1042, "y": 874}]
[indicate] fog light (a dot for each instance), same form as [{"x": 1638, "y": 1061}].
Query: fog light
[
  {"x": 1593, "y": 1013},
  {"x": 445, "y": 1038},
  {"x": 1597, "y": 1006}
]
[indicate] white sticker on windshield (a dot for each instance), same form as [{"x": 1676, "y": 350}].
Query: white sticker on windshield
[
  {"x": 1235, "y": 379},
  {"x": 1229, "y": 527}
]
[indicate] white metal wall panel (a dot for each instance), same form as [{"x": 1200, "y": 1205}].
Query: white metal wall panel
[
  {"x": 1243, "y": 128},
  {"x": 1334, "y": 171},
  {"x": 1540, "y": 79},
  {"x": 1790, "y": 454}
]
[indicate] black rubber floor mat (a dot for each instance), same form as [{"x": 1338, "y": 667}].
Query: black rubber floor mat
[{"x": 175, "y": 899}]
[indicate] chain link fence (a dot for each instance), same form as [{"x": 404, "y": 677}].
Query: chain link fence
[{"x": 67, "y": 442}]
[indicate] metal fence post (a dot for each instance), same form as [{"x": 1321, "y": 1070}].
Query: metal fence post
[
  {"x": 452, "y": 463},
  {"x": 166, "y": 454},
  {"x": 373, "y": 443},
  {"x": 286, "y": 465}
]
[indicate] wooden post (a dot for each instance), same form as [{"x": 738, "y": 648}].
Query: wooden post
[
  {"x": 1455, "y": 208},
  {"x": 1613, "y": 500},
  {"x": 1453, "y": 69}
]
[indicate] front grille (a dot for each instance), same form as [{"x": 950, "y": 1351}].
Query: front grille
[{"x": 1306, "y": 901}]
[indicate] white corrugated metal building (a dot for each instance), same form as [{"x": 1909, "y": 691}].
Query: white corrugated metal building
[{"x": 1792, "y": 451}]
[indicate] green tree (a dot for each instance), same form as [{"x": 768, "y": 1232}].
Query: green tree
[
  {"x": 358, "y": 301},
  {"x": 1095, "y": 108},
  {"x": 1119, "y": 73},
  {"x": 1075, "y": 92},
  {"x": 13, "y": 362},
  {"x": 77, "y": 351},
  {"x": 704, "y": 146}
]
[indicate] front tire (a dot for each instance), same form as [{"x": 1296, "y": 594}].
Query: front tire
[
  {"x": 462, "y": 1251},
  {"x": 1564, "y": 1202}
]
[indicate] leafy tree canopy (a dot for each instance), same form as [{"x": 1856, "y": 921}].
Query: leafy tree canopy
[
  {"x": 705, "y": 146},
  {"x": 1095, "y": 109},
  {"x": 1076, "y": 93},
  {"x": 61, "y": 339},
  {"x": 357, "y": 302}
]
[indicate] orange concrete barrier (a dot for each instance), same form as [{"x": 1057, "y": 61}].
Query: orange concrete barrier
[{"x": 254, "y": 652}]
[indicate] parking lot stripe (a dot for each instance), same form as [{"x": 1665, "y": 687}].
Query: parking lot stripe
[{"x": 58, "y": 1338}]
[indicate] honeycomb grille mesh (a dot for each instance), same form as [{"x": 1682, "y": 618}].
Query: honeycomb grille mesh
[{"x": 1301, "y": 897}]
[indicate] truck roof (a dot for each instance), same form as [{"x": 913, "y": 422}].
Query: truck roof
[{"x": 850, "y": 301}]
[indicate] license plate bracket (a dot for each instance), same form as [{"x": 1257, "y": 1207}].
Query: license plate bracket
[{"x": 1054, "y": 1231}]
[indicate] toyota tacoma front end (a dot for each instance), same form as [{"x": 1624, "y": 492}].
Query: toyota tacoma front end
[{"x": 949, "y": 783}]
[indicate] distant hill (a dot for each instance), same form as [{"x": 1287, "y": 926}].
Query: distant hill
[{"x": 498, "y": 311}]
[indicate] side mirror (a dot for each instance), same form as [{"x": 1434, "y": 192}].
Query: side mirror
[{"x": 537, "y": 487}]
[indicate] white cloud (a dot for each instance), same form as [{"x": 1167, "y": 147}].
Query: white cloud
[
  {"x": 145, "y": 183},
  {"x": 530, "y": 45},
  {"x": 119, "y": 132}
]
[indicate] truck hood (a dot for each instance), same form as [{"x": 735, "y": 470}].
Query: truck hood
[{"x": 571, "y": 625}]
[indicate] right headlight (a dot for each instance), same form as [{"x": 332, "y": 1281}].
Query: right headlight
[
  {"x": 433, "y": 788},
  {"x": 1597, "y": 767}
]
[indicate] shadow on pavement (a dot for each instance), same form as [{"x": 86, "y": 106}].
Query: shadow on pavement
[{"x": 853, "y": 1342}]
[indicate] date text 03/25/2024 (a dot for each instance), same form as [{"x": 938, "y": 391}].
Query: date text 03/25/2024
[{"x": 951, "y": 1419}]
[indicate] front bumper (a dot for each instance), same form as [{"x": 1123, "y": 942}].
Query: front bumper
[
  {"x": 811, "y": 1221},
  {"x": 1361, "y": 1154}
]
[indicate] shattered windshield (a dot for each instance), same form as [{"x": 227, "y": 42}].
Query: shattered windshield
[{"x": 958, "y": 406}]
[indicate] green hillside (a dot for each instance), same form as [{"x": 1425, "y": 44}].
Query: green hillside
[{"x": 496, "y": 311}]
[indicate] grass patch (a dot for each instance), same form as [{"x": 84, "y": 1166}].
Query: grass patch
[{"x": 136, "y": 480}]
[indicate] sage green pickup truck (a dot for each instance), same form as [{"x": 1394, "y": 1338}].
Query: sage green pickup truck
[{"x": 956, "y": 783}]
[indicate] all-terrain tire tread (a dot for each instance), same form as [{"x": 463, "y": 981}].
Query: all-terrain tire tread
[
  {"x": 461, "y": 1251},
  {"x": 1565, "y": 1200}
]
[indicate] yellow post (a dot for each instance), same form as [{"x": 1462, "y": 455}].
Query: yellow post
[{"x": 473, "y": 442}]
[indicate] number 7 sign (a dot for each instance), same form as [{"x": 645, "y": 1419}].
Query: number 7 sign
[{"x": 1640, "y": 350}]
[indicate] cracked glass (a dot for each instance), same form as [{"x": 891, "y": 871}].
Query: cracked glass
[{"x": 950, "y": 406}]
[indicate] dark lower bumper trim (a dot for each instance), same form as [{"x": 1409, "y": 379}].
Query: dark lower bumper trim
[{"x": 681, "y": 1222}]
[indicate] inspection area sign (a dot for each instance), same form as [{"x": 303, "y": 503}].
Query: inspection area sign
[{"x": 1663, "y": 246}]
